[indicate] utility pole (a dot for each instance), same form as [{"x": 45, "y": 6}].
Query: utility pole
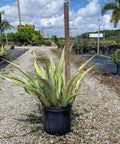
[
  {"x": 67, "y": 48},
  {"x": 104, "y": 36},
  {"x": 78, "y": 48},
  {"x": 98, "y": 48},
  {"x": 19, "y": 14},
  {"x": 82, "y": 44},
  {"x": 6, "y": 40}
]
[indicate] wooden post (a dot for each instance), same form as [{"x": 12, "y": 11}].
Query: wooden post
[
  {"x": 67, "y": 48},
  {"x": 19, "y": 14}
]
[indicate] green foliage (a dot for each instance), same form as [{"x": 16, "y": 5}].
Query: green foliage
[
  {"x": 110, "y": 35},
  {"x": 25, "y": 35},
  {"x": 47, "y": 42},
  {"x": 3, "y": 54},
  {"x": 3, "y": 51},
  {"x": 3, "y": 38},
  {"x": 11, "y": 37},
  {"x": 26, "y": 28},
  {"x": 39, "y": 39},
  {"x": 116, "y": 56},
  {"x": 61, "y": 43},
  {"x": 49, "y": 83},
  {"x": 28, "y": 35},
  {"x": 55, "y": 39},
  {"x": 21, "y": 37},
  {"x": 34, "y": 39},
  {"x": 103, "y": 47},
  {"x": 115, "y": 7},
  {"x": 4, "y": 24}
]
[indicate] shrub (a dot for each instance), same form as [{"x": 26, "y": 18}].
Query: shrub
[
  {"x": 116, "y": 56},
  {"x": 19, "y": 44},
  {"x": 47, "y": 43}
]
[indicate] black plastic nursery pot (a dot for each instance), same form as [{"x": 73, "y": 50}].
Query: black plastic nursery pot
[
  {"x": 118, "y": 69},
  {"x": 57, "y": 121}
]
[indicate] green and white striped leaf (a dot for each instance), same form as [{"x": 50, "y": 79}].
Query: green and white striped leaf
[{"x": 49, "y": 83}]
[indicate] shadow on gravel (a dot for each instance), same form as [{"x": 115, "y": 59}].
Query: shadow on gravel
[
  {"x": 36, "y": 121},
  {"x": 33, "y": 119}
]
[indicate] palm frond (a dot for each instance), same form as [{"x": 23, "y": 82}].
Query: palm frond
[
  {"x": 115, "y": 17},
  {"x": 108, "y": 6}
]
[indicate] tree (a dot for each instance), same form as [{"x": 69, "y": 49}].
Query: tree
[
  {"x": 115, "y": 7},
  {"x": 55, "y": 39},
  {"x": 4, "y": 24},
  {"x": 28, "y": 35},
  {"x": 1, "y": 19},
  {"x": 26, "y": 28}
]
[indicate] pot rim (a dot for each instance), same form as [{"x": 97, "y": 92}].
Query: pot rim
[{"x": 57, "y": 108}]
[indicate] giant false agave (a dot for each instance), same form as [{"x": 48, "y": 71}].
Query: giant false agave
[{"x": 49, "y": 83}]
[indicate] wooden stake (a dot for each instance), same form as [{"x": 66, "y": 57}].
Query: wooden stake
[{"x": 67, "y": 48}]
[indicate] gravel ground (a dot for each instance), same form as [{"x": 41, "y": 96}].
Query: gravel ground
[{"x": 95, "y": 116}]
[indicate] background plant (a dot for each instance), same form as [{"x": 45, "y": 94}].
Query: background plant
[
  {"x": 116, "y": 56},
  {"x": 4, "y": 24},
  {"x": 3, "y": 51},
  {"x": 26, "y": 34},
  {"x": 115, "y": 7}
]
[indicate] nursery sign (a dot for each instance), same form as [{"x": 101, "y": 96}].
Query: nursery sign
[{"x": 93, "y": 35}]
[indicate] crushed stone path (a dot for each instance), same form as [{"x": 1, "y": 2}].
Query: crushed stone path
[{"x": 95, "y": 116}]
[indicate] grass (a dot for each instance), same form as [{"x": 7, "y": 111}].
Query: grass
[
  {"x": 103, "y": 78},
  {"x": 43, "y": 60}
]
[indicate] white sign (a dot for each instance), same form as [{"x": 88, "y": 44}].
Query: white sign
[{"x": 93, "y": 35}]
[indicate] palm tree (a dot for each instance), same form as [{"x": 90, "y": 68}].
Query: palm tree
[
  {"x": 4, "y": 24},
  {"x": 1, "y": 19},
  {"x": 115, "y": 7}
]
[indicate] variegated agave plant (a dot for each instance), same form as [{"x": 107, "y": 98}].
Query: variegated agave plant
[{"x": 49, "y": 83}]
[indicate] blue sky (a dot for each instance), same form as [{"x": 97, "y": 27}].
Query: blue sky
[
  {"x": 6, "y": 2},
  {"x": 47, "y": 15}
]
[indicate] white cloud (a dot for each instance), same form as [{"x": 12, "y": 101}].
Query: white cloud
[
  {"x": 90, "y": 10},
  {"x": 106, "y": 24},
  {"x": 48, "y": 15},
  {"x": 41, "y": 13},
  {"x": 52, "y": 22},
  {"x": 41, "y": 9}
]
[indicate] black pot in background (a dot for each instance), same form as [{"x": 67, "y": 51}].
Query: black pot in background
[
  {"x": 12, "y": 47},
  {"x": 57, "y": 121},
  {"x": 118, "y": 69}
]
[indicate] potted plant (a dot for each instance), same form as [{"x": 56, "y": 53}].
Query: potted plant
[
  {"x": 3, "y": 52},
  {"x": 116, "y": 59},
  {"x": 12, "y": 45},
  {"x": 55, "y": 94}
]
